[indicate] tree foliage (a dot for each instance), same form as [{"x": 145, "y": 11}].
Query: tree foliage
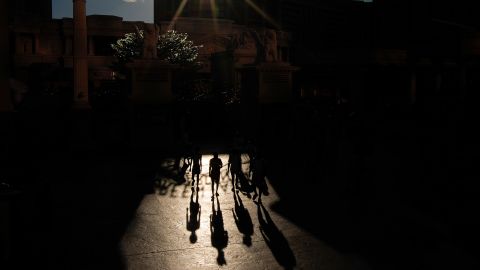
[
  {"x": 176, "y": 48},
  {"x": 128, "y": 48},
  {"x": 173, "y": 47}
]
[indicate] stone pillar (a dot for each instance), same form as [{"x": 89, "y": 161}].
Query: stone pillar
[
  {"x": 80, "y": 58},
  {"x": 5, "y": 95}
]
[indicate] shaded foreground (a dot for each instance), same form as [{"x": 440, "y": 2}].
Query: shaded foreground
[{"x": 392, "y": 190}]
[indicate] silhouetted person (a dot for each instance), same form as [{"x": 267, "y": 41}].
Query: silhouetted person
[
  {"x": 214, "y": 172},
  {"x": 251, "y": 151},
  {"x": 193, "y": 217},
  {"x": 219, "y": 236},
  {"x": 258, "y": 177},
  {"x": 196, "y": 166},
  {"x": 243, "y": 220},
  {"x": 244, "y": 185},
  {"x": 183, "y": 170},
  {"x": 235, "y": 167},
  {"x": 275, "y": 239},
  {"x": 162, "y": 185}
]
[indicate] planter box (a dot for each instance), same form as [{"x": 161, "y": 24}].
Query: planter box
[{"x": 151, "y": 82}]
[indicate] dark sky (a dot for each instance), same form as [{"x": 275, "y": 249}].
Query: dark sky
[{"x": 130, "y": 10}]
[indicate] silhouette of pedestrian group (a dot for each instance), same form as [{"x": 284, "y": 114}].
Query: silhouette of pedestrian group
[
  {"x": 251, "y": 182},
  {"x": 240, "y": 181}
]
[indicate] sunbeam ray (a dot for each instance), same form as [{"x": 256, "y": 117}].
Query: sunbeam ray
[
  {"x": 213, "y": 7},
  {"x": 177, "y": 13},
  {"x": 262, "y": 13}
]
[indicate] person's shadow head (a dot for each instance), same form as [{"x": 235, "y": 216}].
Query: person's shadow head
[
  {"x": 193, "y": 237},
  {"x": 162, "y": 185},
  {"x": 221, "y": 257},
  {"x": 247, "y": 240}
]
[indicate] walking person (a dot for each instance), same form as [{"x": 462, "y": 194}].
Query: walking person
[
  {"x": 234, "y": 167},
  {"x": 251, "y": 151},
  {"x": 187, "y": 161},
  {"x": 214, "y": 172},
  {"x": 196, "y": 166},
  {"x": 258, "y": 178}
]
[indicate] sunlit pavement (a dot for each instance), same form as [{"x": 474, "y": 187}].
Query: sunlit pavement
[{"x": 160, "y": 235}]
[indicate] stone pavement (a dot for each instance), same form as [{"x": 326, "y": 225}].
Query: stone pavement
[{"x": 248, "y": 237}]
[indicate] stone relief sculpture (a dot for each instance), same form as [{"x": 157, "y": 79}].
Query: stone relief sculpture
[
  {"x": 151, "y": 34},
  {"x": 270, "y": 46},
  {"x": 266, "y": 46},
  {"x": 241, "y": 40}
]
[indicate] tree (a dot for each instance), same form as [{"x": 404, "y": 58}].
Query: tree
[
  {"x": 173, "y": 47},
  {"x": 176, "y": 48},
  {"x": 128, "y": 48}
]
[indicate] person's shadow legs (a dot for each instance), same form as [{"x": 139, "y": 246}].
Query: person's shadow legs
[
  {"x": 242, "y": 220},
  {"x": 275, "y": 239},
  {"x": 219, "y": 237},
  {"x": 244, "y": 186}
]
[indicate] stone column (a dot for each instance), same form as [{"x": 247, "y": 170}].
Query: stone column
[
  {"x": 5, "y": 96},
  {"x": 80, "y": 58}
]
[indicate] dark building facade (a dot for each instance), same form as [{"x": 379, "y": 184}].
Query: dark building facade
[
  {"x": 36, "y": 39},
  {"x": 39, "y": 10},
  {"x": 349, "y": 48},
  {"x": 340, "y": 44}
]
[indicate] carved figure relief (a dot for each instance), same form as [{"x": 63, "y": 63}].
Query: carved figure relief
[
  {"x": 151, "y": 34},
  {"x": 242, "y": 40},
  {"x": 270, "y": 43}
]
